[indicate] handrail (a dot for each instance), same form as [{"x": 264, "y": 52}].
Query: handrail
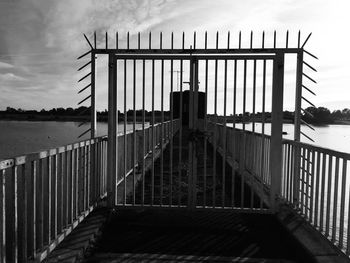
[
  {"x": 319, "y": 189},
  {"x": 44, "y": 195},
  {"x": 316, "y": 187}
]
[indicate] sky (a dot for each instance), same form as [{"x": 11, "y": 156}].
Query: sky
[{"x": 40, "y": 40}]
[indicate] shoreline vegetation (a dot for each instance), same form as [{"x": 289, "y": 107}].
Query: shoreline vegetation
[{"x": 316, "y": 116}]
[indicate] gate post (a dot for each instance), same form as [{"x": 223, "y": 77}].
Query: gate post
[
  {"x": 112, "y": 159},
  {"x": 276, "y": 130},
  {"x": 297, "y": 118}
]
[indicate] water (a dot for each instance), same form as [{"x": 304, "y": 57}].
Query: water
[
  {"x": 335, "y": 137},
  {"x": 21, "y": 137}
]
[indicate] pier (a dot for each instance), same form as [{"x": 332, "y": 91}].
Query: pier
[{"x": 188, "y": 185}]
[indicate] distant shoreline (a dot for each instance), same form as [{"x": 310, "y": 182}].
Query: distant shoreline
[{"x": 23, "y": 117}]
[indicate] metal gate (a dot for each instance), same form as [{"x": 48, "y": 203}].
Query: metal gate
[{"x": 187, "y": 127}]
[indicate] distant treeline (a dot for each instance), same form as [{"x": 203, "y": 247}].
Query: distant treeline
[
  {"x": 322, "y": 115},
  {"x": 312, "y": 115},
  {"x": 78, "y": 114}
]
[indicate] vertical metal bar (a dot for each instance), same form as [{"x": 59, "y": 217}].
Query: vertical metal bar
[
  {"x": 262, "y": 167},
  {"x": 307, "y": 185},
  {"x": 194, "y": 40},
  {"x": 244, "y": 93},
  {"x": 93, "y": 98},
  {"x": 55, "y": 197},
  {"x": 287, "y": 36},
  {"x": 71, "y": 184},
  {"x": 14, "y": 198},
  {"x": 342, "y": 205},
  {"x": 276, "y": 129},
  {"x": 302, "y": 179},
  {"x": 162, "y": 133},
  {"x": 234, "y": 145},
  {"x": 224, "y": 137},
  {"x": 205, "y": 126},
  {"x": 3, "y": 216},
  {"x": 239, "y": 39},
  {"x": 323, "y": 185},
  {"x": 76, "y": 188},
  {"x": 134, "y": 162},
  {"x": 153, "y": 136},
  {"x": 288, "y": 174},
  {"x": 263, "y": 40},
  {"x": 317, "y": 187},
  {"x": 254, "y": 95},
  {"x": 128, "y": 40},
  {"x": 329, "y": 191},
  {"x": 274, "y": 39},
  {"x": 143, "y": 132},
  {"x": 125, "y": 157},
  {"x": 112, "y": 161},
  {"x": 116, "y": 41},
  {"x": 195, "y": 86},
  {"x": 297, "y": 120},
  {"x": 254, "y": 141},
  {"x": 106, "y": 39},
  {"x": 312, "y": 185},
  {"x": 251, "y": 39},
  {"x": 171, "y": 126},
  {"x": 49, "y": 198},
  {"x": 138, "y": 40},
  {"x": 216, "y": 122},
  {"x": 335, "y": 200},
  {"x": 181, "y": 123},
  {"x": 95, "y": 40}
]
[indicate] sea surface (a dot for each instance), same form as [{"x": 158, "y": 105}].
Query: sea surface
[{"x": 21, "y": 137}]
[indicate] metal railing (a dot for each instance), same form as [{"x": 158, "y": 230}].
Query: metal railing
[
  {"x": 45, "y": 195},
  {"x": 248, "y": 153},
  {"x": 316, "y": 182}
]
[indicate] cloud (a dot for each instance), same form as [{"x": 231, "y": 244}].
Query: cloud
[
  {"x": 4, "y": 65},
  {"x": 10, "y": 77}
]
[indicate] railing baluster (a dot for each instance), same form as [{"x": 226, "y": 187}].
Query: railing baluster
[
  {"x": 335, "y": 200},
  {"x": 323, "y": 194},
  {"x": 317, "y": 188},
  {"x": 329, "y": 192},
  {"x": 3, "y": 216},
  {"x": 342, "y": 204},
  {"x": 308, "y": 185}
]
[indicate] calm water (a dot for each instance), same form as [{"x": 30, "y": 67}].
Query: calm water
[{"x": 20, "y": 137}]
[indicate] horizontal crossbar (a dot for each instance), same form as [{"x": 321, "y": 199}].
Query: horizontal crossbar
[
  {"x": 198, "y": 57},
  {"x": 199, "y": 51}
]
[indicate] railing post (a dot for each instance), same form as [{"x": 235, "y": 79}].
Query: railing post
[
  {"x": 112, "y": 132},
  {"x": 297, "y": 118},
  {"x": 276, "y": 130}
]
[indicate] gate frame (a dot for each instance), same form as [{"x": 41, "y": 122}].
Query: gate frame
[{"x": 195, "y": 55}]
